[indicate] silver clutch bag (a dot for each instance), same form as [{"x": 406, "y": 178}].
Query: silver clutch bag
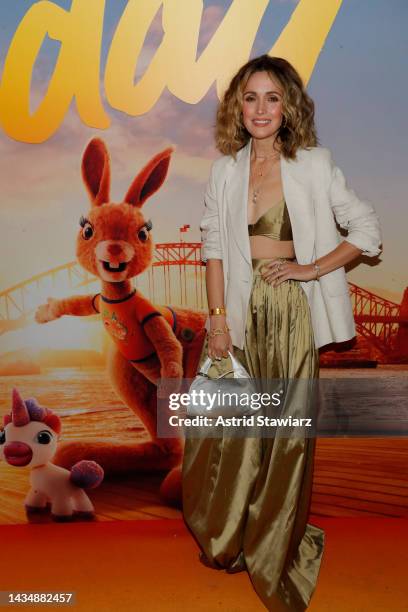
[{"x": 221, "y": 396}]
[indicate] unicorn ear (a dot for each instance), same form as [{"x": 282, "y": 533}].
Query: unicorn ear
[
  {"x": 149, "y": 179},
  {"x": 19, "y": 413}
]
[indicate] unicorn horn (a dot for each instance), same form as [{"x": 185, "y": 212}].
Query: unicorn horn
[{"x": 19, "y": 412}]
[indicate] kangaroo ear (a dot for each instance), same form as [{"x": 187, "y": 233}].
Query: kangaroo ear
[
  {"x": 149, "y": 179},
  {"x": 96, "y": 171}
]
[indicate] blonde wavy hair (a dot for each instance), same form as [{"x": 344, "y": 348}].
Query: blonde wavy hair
[{"x": 297, "y": 128}]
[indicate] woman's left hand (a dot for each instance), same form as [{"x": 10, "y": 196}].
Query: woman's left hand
[{"x": 280, "y": 270}]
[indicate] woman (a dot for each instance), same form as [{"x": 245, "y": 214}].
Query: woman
[{"x": 276, "y": 291}]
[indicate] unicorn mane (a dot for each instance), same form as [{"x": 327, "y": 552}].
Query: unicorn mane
[{"x": 24, "y": 411}]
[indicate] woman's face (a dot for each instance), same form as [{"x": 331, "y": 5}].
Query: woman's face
[{"x": 262, "y": 105}]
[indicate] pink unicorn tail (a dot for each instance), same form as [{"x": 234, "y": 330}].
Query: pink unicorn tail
[{"x": 87, "y": 474}]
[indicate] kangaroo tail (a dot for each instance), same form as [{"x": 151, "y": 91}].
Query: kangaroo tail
[{"x": 86, "y": 474}]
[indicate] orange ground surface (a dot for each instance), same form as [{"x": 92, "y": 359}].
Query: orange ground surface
[{"x": 153, "y": 566}]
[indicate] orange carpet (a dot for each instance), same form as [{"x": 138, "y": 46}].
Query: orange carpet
[{"x": 152, "y": 566}]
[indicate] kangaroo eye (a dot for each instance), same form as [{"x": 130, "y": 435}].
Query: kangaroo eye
[
  {"x": 44, "y": 437},
  {"x": 2, "y": 436},
  {"x": 143, "y": 233},
  {"x": 87, "y": 231}
]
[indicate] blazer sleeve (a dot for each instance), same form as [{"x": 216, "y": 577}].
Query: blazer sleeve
[
  {"x": 209, "y": 226},
  {"x": 356, "y": 216}
]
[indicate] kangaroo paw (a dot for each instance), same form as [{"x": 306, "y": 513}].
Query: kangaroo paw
[
  {"x": 171, "y": 488},
  {"x": 47, "y": 312}
]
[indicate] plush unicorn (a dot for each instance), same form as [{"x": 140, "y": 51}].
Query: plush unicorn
[
  {"x": 152, "y": 344},
  {"x": 29, "y": 438}
]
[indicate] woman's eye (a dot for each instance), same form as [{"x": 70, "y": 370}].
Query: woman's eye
[
  {"x": 272, "y": 99},
  {"x": 87, "y": 231},
  {"x": 44, "y": 437}
]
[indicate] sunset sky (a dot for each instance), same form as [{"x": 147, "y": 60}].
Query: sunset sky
[{"x": 360, "y": 89}]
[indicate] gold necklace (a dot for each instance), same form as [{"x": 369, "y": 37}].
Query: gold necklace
[
  {"x": 256, "y": 190},
  {"x": 274, "y": 155}
]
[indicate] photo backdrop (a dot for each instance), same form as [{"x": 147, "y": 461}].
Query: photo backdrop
[{"x": 144, "y": 76}]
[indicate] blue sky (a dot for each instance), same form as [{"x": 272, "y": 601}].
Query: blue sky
[{"x": 360, "y": 89}]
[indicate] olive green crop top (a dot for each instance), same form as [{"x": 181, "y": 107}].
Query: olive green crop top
[{"x": 274, "y": 223}]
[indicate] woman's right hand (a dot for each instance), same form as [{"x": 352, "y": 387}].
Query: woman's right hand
[{"x": 218, "y": 346}]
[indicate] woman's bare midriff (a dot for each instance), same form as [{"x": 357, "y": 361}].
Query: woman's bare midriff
[{"x": 263, "y": 247}]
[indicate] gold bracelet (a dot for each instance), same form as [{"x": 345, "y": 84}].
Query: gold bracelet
[
  {"x": 219, "y": 331},
  {"x": 218, "y": 311}
]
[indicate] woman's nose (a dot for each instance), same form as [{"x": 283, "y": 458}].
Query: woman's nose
[{"x": 260, "y": 107}]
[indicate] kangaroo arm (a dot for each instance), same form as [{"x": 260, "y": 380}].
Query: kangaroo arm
[
  {"x": 168, "y": 348},
  {"x": 76, "y": 305}
]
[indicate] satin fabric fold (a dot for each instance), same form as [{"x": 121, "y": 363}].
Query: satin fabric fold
[{"x": 246, "y": 500}]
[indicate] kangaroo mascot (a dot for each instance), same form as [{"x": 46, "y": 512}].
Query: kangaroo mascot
[{"x": 150, "y": 342}]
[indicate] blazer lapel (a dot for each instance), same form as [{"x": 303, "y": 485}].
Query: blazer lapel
[
  {"x": 236, "y": 194},
  {"x": 299, "y": 201},
  {"x": 298, "y": 197}
]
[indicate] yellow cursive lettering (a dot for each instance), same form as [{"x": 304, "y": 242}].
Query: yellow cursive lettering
[
  {"x": 174, "y": 65},
  {"x": 76, "y": 72}
]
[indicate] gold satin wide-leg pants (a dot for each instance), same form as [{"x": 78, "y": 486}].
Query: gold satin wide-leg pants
[{"x": 246, "y": 500}]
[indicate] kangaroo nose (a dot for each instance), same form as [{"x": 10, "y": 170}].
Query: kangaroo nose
[{"x": 114, "y": 249}]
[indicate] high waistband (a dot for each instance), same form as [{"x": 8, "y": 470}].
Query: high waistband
[{"x": 258, "y": 263}]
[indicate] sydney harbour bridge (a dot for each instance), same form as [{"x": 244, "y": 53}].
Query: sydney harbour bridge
[{"x": 177, "y": 277}]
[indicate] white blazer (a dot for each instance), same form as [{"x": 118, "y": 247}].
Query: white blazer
[{"x": 316, "y": 196}]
